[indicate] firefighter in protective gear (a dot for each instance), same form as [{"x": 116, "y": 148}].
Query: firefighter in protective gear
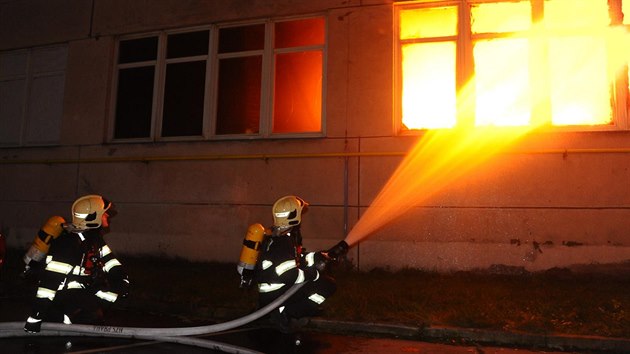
[
  {"x": 284, "y": 262},
  {"x": 82, "y": 277}
]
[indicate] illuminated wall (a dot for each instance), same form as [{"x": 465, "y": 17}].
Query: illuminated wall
[{"x": 554, "y": 197}]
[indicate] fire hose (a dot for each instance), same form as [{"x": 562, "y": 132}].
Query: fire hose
[{"x": 173, "y": 335}]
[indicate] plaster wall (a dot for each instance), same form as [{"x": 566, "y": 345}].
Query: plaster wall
[{"x": 555, "y": 199}]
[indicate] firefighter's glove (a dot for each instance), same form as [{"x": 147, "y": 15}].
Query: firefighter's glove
[
  {"x": 33, "y": 324},
  {"x": 310, "y": 273},
  {"x": 338, "y": 251},
  {"x": 321, "y": 260},
  {"x": 247, "y": 277}
]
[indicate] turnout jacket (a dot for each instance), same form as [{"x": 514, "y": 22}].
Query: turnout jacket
[
  {"x": 283, "y": 262},
  {"x": 80, "y": 260}
]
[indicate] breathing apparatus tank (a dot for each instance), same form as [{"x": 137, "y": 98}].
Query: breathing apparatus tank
[
  {"x": 251, "y": 248},
  {"x": 51, "y": 229}
]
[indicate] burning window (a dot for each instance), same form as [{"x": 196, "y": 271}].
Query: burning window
[
  {"x": 512, "y": 63},
  {"x": 298, "y": 54},
  {"x": 296, "y": 69},
  {"x": 260, "y": 79},
  {"x": 241, "y": 52}
]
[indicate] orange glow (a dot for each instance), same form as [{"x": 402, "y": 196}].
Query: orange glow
[
  {"x": 569, "y": 62},
  {"x": 503, "y": 94},
  {"x": 429, "y": 85},
  {"x": 567, "y": 65},
  {"x": 438, "y": 159}
]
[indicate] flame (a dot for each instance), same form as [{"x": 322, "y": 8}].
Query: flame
[
  {"x": 437, "y": 160},
  {"x": 573, "y": 80},
  {"x": 566, "y": 63}
]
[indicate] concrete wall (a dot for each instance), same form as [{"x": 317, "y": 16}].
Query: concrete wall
[{"x": 559, "y": 198}]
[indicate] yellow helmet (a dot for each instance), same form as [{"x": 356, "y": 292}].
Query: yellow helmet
[
  {"x": 88, "y": 210},
  {"x": 287, "y": 211}
]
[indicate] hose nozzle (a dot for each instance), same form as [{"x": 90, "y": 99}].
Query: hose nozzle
[{"x": 339, "y": 250}]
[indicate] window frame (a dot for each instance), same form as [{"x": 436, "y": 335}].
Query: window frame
[
  {"x": 465, "y": 40},
  {"x": 31, "y": 74},
  {"x": 212, "y": 83}
]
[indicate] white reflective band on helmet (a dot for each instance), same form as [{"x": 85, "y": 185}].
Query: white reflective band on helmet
[
  {"x": 66, "y": 319},
  {"x": 80, "y": 215},
  {"x": 105, "y": 251},
  {"x": 266, "y": 264},
  {"x": 282, "y": 214},
  {"x": 111, "y": 264},
  {"x": 316, "y": 298},
  {"x": 300, "y": 277},
  {"x": 285, "y": 266},
  {"x": 33, "y": 320},
  {"x": 107, "y": 296},
  {"x": 59, "y": 267},
  {"x": 267, "y": 287},
  {"x": 310, "y": 259},
  {"x": 43, "y": 293},
  {"x": 75, "y": 285}
]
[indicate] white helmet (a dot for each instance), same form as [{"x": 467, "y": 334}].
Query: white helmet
[
  {"x": 287, "y": 211},
  {"x": 87, "y": 211}
]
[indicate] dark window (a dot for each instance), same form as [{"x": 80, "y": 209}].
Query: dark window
[
  {"x": 187, "y": 44},
  {"x": 264, "y": 79},
  {"x": 238, "y": 103},
  {"x": 134, "y": 103},
  {"x": 240, "y": 39},
  {"x": 137, "y": 50},
  {"x": 183, "y": 99}
]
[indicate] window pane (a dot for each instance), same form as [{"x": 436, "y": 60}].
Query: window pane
[
  {"x": 135, "y": 50},
  {"x": 430, "y": 22},
  {"x": 239, "y": 39},
  {"x": 500, "y": 17},
  {"x": 238, "y": 104},
  {"x": 299, "y": 33},
  {"x": 579, "y": 85},
  {"x": 502, "y": 82},
  {"x": 428, "y": 92},
  {"x": 183, "y": 99},
  {"x": 48, "y": 60},
  {"x": 45, "y": 106},
  {"x": 625, "y": 9},
  {"x": 13, "y": 63},
  {"x": 573, "y": 14},
  {"x": 12, "y": 95},
  {"x": 298, "y": 92},
  {"x": 187, "y": 44},
  {"x": 134, "y": 103}
]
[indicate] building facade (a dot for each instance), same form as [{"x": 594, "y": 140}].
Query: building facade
[{"x": 194, "y": 116}]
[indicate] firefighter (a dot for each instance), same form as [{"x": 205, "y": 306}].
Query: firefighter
[
  {"x": 82, "y": 277},
  {"x": 283, "y": 262}
]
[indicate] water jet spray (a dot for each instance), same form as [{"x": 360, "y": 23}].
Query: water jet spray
[{"x": 439, "y": 159}]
